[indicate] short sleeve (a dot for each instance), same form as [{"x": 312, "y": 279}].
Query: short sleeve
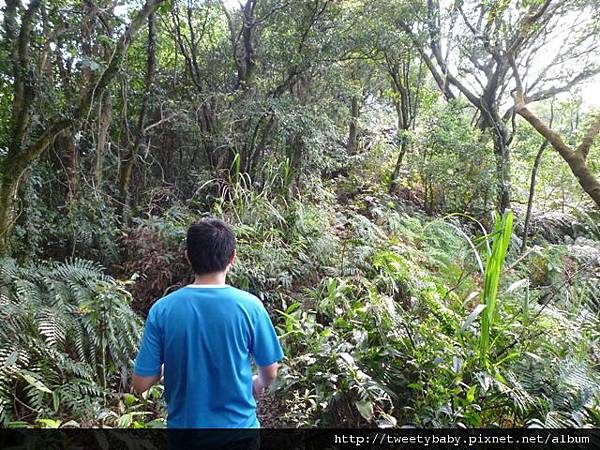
[
  {"x": 150, "y": 356},
  {"x": 265, "y": 345}
]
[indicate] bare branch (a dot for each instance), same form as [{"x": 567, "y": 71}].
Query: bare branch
[
  {"x": 428, "y": 62},
  {"x": 552, "y": 136},
  {"x": 551, "y": 92}
]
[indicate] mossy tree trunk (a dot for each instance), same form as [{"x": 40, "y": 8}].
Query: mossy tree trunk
[{"x": 26, "y": 145}]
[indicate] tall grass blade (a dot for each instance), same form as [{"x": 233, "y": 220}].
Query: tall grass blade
[{"x": 495, "y": 261}]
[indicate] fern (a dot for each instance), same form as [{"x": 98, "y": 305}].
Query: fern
[{"x": 67, "y": 332}]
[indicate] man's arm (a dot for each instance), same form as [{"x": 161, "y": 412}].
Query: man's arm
[
  {"x": 141, "y": 384},
  {"x": 266, "y": 376},
  {"x": 148, "y": 367},
  {"x": 266, "y": 351}
]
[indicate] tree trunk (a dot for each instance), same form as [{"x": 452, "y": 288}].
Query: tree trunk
[
  {"x": 66, "y": 145},
  {"x": 502, "y": 153},
  {"x": 13, "y": 168},
  {"x": 295, "y": 150},
  {"x": 588, "y": 182},
  {"x": 10, "y": 184},
  {"x": 129, "y": 160},
  {"x": 490, "y": 121},
  {"x": 353, "y": 128},
  {"x": 20, "y": 155},
  {"x": 104, "y": 122},
  {"x": 574, "y": 157},
  {"x": 403, "y": 150},
  {"x": 534, "y": 170}
]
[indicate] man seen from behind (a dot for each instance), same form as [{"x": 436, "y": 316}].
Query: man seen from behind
[{"x": 203, "y": 337}]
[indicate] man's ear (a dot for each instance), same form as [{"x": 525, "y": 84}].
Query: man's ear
[{"x": 233, "y": 255}]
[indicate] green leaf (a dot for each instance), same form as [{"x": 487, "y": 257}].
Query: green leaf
[
  {"x": 517, "y": 285},
  {"x": 471, "y": 318},
  {"x": 156, "y": 423},
  {"x": 130, "y": 399},
  {"x": 49, "y": 423},
  {"x": 12, "y": 358},
  {"x": 91, "y": 64},
  {"x": 348, "y": 359},
  {"x": 103, "y": 39},
  {"x": 471, "y": 394},
  {"x": 365, "y": 408},
  {"x": 55, "y": 401},
  {"x": 36, "y": 383},
  {"x": 18, "y": 424},
  {"x": 125, "y": 421},
  {"x": 71, "y": 424}
]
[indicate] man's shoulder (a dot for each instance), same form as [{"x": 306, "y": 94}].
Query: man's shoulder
[
  {"x": 246, "y": 297},
  {"x": 164, "y": 302},
  {"x": 247, "y": 301},
  {"x": 239, "y": 294}
]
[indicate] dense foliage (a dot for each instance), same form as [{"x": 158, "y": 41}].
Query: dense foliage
[{"x": 427, "y": 246}]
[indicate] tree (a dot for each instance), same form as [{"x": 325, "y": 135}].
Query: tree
[
  {"x": 468, "y": 47},
  {"x": 532, "y": 183},
  {"x": 27, "y": 139},
  {"x": 246, "y": 66},
  {"x": 575, "y": 157}
]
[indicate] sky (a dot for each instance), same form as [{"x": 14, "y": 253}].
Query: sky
[
  {"x": 590, "y": 94},
  {"x": 559, "y": 44}
]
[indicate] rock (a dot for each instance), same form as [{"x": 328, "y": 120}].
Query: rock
[
  {"x": 585, "y": 253},
  {"x": 583, "y": 241},
  {"x": 555, "y": 226}
]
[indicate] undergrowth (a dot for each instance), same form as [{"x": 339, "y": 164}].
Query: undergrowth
[{"x": 380, "y": 317}]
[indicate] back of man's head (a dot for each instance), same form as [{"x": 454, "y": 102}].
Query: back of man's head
[{"x": 210, "y": 246}]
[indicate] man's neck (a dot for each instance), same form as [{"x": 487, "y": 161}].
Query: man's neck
[{"x": 214, "y": 279}]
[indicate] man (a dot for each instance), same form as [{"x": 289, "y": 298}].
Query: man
[{"x": 204, "y": 334}]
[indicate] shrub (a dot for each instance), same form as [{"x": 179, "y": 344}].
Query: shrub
[
  {"x": 154, "y": 250},
  {"x": 67, "y": 339},
  {"x": 455, "y": 165},
  {"x": 399, "y": 342}
]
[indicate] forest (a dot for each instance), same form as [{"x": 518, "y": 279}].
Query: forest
[{"x": 414, "y": 186}]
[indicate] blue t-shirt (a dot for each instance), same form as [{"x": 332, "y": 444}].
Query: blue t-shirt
[{"x": 204, "y": 335}]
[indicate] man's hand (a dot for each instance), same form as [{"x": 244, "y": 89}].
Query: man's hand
[
  {"x": 258, "y": 389},
  {"x": 266, "y": 375}
]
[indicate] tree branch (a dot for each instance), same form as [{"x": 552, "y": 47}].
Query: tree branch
[
  {"x": 551, "y": 92},
  {"x": 58, "y": 124},
  {"x": 588, "y": 139},
  {"x": 118, "y": 54},
  {"x": 552, "y": 136},
  {"x": 428, "y": 62}
]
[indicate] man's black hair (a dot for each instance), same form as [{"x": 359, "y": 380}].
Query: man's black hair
[{"x": 210, "y": 244}]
